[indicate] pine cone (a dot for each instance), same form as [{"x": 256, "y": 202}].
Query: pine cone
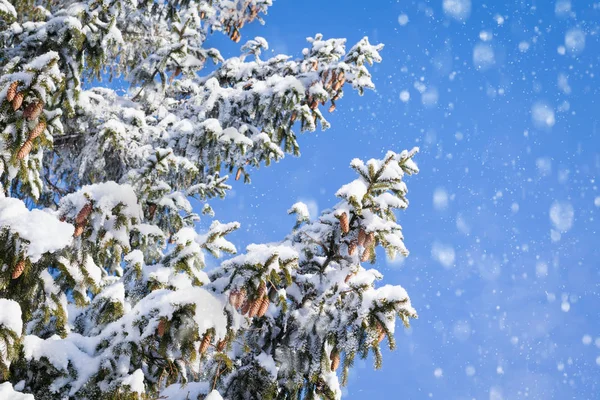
[
  {"x": 370, "y": 239},
  {"x": 332, "y": 107},
  {"x": 366, "y": 254},
  {"x": 151, "y": 211},
  {"x": 25, "y": 149},
  {"x": 362, "y": 236},
  {"x": 221, "y": 345},
  {"x": 264, "y": 306},
  {"x": 78, "y": 230},
  {"x": 349, "y": 276},
  {"x": 205, "y": 343},
  {"x": 17, "y": 101},
  {"x": 352, "y": 247},
  {"x": 380, "y": 332},
  {"x": 262, "y": 289},
  {"x": 293, "y": 117},
  {"x": 202, "y": 15},
  {"x": 245, "y": 307},
  {"x": 337, "y": 96},
  {"x": 254, "y": 307},
  {"x": 12, "y": 91},
  {"x": 314, "y": 104},
  {"x": 19, "y": 268},
  {"x": 337, "y": 85},
  {"x": 344, "y": 222},
  {"x": 324, "y": 76},
  {"x": 335, "y": 360},
  {"x": 37, "y": 130},
  {"x": 238, "y": 174},
  {"x": 234, "y": 296},
  {"x": 33, "y": 110},
  {"x": 83, "y": 214},
  {"x": 241, "y": 298},
  {"x": 162, "y": 325}
]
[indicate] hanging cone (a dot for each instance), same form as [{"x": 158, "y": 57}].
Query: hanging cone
[
  {"x": 362, "y": 236},
  {"x": 83, "y": 214},
  {"x": 370, "y": 239},
  {"x": 315, "y": 65},
  {"x": 202, "y": 14},
  {"x": 314, "y": 104},
  {"x": 12, "y": 91},
  {"x": 19, "y": 268},
  {"x": 332, "y": 80},
  {"x": 254, "y": 307},
  {"x": 352, "y": 247},
  {"x": 324, "y": 76},
  {"x": 332, "y": 107},
  {"x": 335, "y": 360},
  {"x": 37, "y": 130},
  {"x": 205, "y": 343},
  {"x": 366, "y": 254},
  {"x": 241, "y": 298},
  {"x": 344, "y": 222},
  {"x": 349, "y": 276},
  {"x": 151, "y": 210},
  {"x": 221, "y": 345},
  {"x": 234, "y": 297},
  {"x": 380, "y": 332},
  {"x": 245, "y": 307},
  {"x": 78, "y": 230},
  {"x": 262, "y": 289},
  {"x": 33, "y": 110},
  {"x": 238, "y": 174},
  {"x": 162, "y": 325},
  {"x": 293, "y": 117},
  {"x": 17, "y": 101},
  {"x": 264, "y": 306},
  {"x": 337, "y": 96},
  {"x": 25, "y": 149}
]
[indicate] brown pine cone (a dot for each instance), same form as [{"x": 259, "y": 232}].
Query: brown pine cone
[
  {"x": 78, "y": 230},
  {"x": 221, "y": 345},
  {"x": 335, "y": 360},
  {"x": 33, "y": 110},
  {"x": 17, "y": 101},
  {"x": 314, "y": 104},
  {"x": 349, "y": 276},
  {"x": 366, "y": 254},
  {"x": 83, "y": 214},
  {"x": 238, "y": 174},
  {"x": 25, "y": 149},
  {"x": 245, "y": 307},
  {"x": 264, "y": 306},
  {"x": 37, "y": 130},
  {"x": 344, "y": 223},
  {"x": 254, "y": 307},
  {"x": 12, "y": 91},
  {"x": 205, "y": 343},
  {"x": 362, "y": 236},
  {"x": 332, "y": 107},
  {"x": 370, "y": 239},
  {"x": 19, "y": 268},
  {"x": 234, "y": 296},
  {"x": 162, "y": 325},
  {"x": 293, "y": 117},
  {"x": 262, "y": 289},
  {"x": 151, "y": 211},
  {"x": 352, "y": 247},
  {"x": 380, "y": 332}
]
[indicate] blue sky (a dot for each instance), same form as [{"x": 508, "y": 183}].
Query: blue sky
[{"x": 503, "y": 218}]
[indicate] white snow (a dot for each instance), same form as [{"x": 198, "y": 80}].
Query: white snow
[
  {"x": 542, "y": 115},
  {"x": 214, "y": 395},
  {"x": 438, "y": 373},
  {"x": 597, "y": 201},
  {"x": 10, "y": 316},
  {"x": 457, "y": 9},
  {"x": 135, "y": 381},
  {"x": 523, "y": 46},
  {"x": 562, "y": 215},
  {"x": 483, "y": 56},
  {"x": 586, "y": 340},
  {"x": 575, "y": 40},
  {"x": 43, "y": 230},
  {"x": 8, "y": 393}
]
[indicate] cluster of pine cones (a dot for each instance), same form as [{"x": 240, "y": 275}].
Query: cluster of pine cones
[
  {"x": 31, "y": 112},
  {"x": 253, "y": 308},
  {"x": 364, "y": 239}
]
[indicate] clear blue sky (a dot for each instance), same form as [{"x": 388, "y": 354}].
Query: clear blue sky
[{"x": 503, "y": 223}]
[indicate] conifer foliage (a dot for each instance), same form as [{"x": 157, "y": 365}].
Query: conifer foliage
[{"x": 102, "y": 287}]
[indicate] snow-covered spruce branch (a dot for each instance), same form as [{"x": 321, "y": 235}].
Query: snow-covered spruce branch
[{"x": 102, "y": 288}]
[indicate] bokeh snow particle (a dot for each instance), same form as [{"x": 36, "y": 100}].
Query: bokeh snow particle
[
  {"x": 403, "y": 19},
  {"x": 562, "y": 8},
  {"x": 562, "y": 215},
  {"x": 440, "y": 199},
  {"x": 523, "y": 46},
  {"x": 462, "y": 330},
  {"x": 457, "y": 9},
  {"x": 541, "y": 269},
  {"x": 544, "y": 166},
  {"x": 438, "y": 373},
  {"x": 444, "y": 254},
  {"x": 575, "y": 40},
  {"x": 586, "y": 340},
  {"x": 404, "y": 96},
  {"x": 597, "y": 201},
  {"x": 542, "y": 116},
  {"x": 483, "y": 56},
  {"x": 430, "y": 97},
  {"x": 470, "y": 370}
]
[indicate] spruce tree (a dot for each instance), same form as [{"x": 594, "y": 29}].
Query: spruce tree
[{"x": 102, "y": 287}]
